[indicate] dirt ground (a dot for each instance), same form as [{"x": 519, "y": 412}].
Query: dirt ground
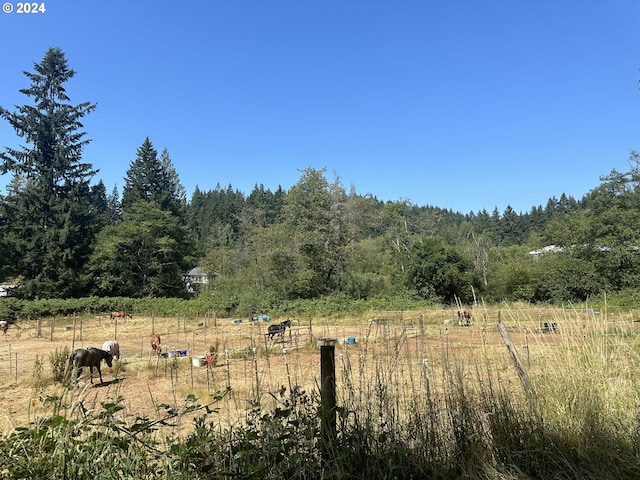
[{"x": 252, "y": 368}]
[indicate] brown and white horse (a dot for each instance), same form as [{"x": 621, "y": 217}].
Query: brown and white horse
[{"x": 112, "y": 347}]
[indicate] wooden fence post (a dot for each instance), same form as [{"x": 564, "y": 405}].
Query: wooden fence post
[
  {"x": 73, "y": 340},
  {"x": 327, "y": 395},
  {"x": 517, "y": 363},
  {"x": 226, "y": 356}
]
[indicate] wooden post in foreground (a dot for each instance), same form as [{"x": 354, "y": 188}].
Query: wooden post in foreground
[
  {"x": 327, "y": 395},
  {"x": 522, "y": 373}
]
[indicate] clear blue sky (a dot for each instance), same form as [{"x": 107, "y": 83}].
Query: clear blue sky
[{"x": 466, "y": 105}]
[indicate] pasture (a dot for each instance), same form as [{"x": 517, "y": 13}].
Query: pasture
[{"x": 385, "y": 362}]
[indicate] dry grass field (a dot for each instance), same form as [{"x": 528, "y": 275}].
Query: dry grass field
[{"x": 406, "y": 352}]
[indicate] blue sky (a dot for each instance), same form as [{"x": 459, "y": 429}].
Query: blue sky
[{"x": 464, "y": 105}]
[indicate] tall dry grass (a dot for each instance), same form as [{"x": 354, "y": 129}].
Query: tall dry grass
[{"x": 417, "y": 395}]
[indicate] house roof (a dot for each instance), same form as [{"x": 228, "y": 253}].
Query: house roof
[
  {"x": 196, "y": 271},
  {"x": 547, "y": 249}
]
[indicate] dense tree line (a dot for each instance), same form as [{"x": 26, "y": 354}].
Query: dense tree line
[{"x": 63, "y": 237}]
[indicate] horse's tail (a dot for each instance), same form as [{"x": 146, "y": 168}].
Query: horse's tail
[{"x": 72, "y": 357}]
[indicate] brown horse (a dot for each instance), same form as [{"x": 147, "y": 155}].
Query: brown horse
[
  {"x": 464, "y": 317},
  {"x": 156, "y": 345},
  {"x": 120, "y": 314}
]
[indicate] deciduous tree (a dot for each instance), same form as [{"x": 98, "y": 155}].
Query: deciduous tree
[
  {"x": 146, "y": 254},
  {"x": 439, "y": 272}
]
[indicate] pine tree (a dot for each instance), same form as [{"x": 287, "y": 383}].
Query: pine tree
[
  {"x": 48, "y": 208},
  {"x": 148, "y": 251},
  {"x": 114, "y": 205},
  {"x": 153, "y": 180},
  {"x": 176, "y": 193}
]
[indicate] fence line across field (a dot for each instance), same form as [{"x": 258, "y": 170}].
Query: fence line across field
[{"x": 197, "y": 340}]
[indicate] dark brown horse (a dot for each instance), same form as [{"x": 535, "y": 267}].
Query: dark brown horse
[
  {"x": 278, "y": 329},
  {"x": 91, "y": 358},
  {"x": 120, "y": 314},
  {"x": 156, "y": 345}
]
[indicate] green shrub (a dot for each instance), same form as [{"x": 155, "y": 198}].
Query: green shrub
[{"x": 59, "y": 360}]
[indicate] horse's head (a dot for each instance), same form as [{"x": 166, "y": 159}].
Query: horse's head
[{"x": 109, "y": 359}]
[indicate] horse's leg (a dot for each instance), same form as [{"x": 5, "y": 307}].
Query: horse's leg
[{"x": 100, "y": 373}]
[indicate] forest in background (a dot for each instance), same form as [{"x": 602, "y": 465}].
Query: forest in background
[{"x": 63, "y": 237}]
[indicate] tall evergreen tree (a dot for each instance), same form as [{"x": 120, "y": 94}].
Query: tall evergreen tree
[
  {"x": 214, "y": 217},
  {"x": 48, "y": 210},
  {"x": 262, "y": 207},
  {"x": 114, "y": 206},
  {"x": 153, "y": 179},
  {"x": 100, "y": 206},
  {"x": 175, "y": 190},
  {"x": 148, "y": 251}
]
